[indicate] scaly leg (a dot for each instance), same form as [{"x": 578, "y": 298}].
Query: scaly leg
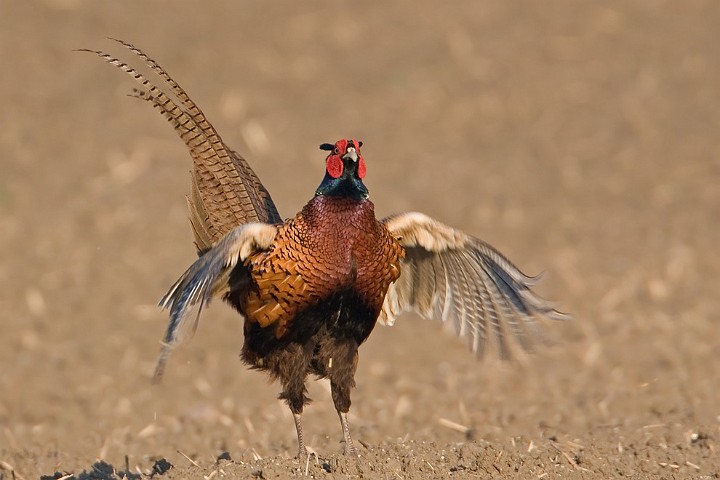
[
  {"x": 302, "y": 450},
  {"x": 349, "y": 446},
  {"x": 291, "y": 369},
  {"x": 341, "y": 382}
]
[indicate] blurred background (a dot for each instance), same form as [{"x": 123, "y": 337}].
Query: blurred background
[{"x": 579, "y": 138}]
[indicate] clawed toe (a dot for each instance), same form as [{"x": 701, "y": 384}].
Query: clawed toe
[{"x": 350, "y": 450}]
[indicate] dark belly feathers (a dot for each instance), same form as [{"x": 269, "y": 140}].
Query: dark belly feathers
[{"x": 324, "y": 331}]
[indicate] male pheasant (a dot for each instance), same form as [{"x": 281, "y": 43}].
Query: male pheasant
[{"x": 312, "y": 288}]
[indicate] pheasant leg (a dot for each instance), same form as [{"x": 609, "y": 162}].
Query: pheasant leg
[
  {"x": 302, "y": 450},
  {"x": 341, "y": 382},
  {"x": 349, "y": 446}
]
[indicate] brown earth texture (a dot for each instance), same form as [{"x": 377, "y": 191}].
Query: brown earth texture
[{"x": 580, "y": 138}]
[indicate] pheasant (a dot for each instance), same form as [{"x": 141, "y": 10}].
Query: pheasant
[{"x": 312, "y": 288}]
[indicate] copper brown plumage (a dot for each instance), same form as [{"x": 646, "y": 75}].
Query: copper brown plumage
[{"x": 312, "y": 288}]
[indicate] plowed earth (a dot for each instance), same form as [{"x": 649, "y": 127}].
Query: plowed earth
[{"x": 580, "y": 138}]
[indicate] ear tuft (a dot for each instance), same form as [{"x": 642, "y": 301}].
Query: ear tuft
[{"x": 328, "y": 147}]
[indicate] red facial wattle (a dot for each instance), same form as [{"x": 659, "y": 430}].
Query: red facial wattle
[
  {"x": 334, "y": 163},
  {"x": 361, "y": 169},
  {"x": 334, "y": 166}
]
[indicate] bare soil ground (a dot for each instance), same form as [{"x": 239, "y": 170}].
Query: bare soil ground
[{"x": 580, "y": 138}]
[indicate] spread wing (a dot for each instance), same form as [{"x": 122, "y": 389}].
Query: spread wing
[
  {"x": 466, "y": 283},
  {"x": 225, "y": 191},
  {"x": 208, "y": 277}
]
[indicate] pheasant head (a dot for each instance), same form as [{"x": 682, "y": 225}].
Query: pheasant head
[{"x": 344, "y": 170}]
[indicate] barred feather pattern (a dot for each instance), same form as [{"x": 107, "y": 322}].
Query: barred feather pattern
[
  {"x": 225, "y": 191},
  {"x": 466, "y": 283}
]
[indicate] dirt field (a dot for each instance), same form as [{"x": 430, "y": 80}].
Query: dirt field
[{"x": 580, "y": 139}]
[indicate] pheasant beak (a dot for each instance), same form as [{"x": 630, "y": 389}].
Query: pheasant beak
[{"x": 351, "y": 155}]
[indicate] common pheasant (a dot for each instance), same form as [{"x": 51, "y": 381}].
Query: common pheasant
[{"x": 312, "y": 288}]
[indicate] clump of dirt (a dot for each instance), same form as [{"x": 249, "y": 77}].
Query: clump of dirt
[{"x": 521, "y": 458}]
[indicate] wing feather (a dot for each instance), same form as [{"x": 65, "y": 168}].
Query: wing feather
[
  {"x": 208, "y": 277},
  {"x": 467, "y": 284}
]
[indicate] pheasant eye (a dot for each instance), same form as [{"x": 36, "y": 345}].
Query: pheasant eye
[{"x": 337, "y": 151}]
